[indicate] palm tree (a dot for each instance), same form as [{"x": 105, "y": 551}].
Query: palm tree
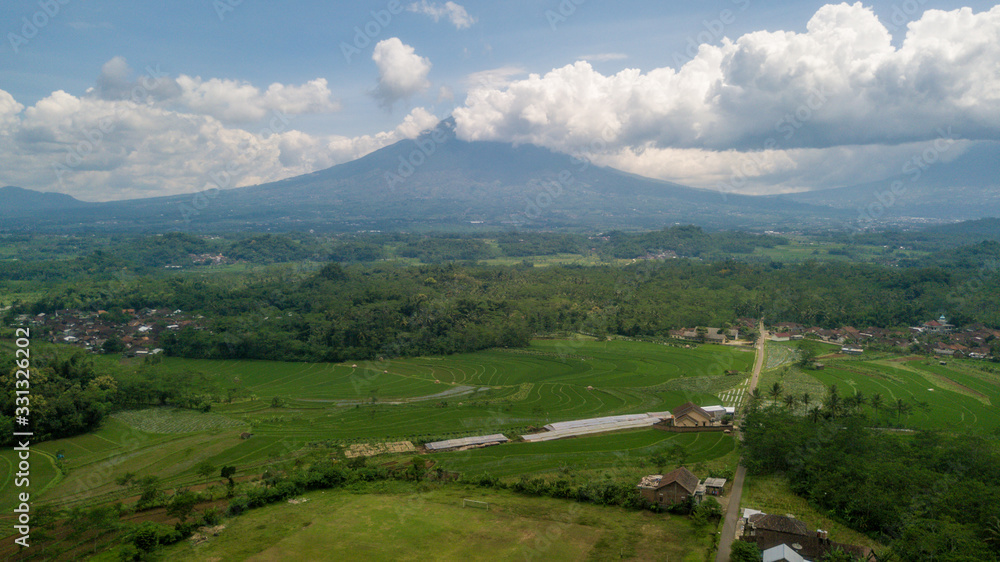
[
  {"x": 775, "y": 392},
  {"x": 860, "y": 399},
  {"x": 902, "y": 408},
  {"x": 815, "y": 412},
  {"x": 805, "y": 399},
  {"x": 833, "y": 401},
  {"x": 876, "y": 402},
  {"x": 993, "y": 531},
  {"x": 789, "y": 401}
]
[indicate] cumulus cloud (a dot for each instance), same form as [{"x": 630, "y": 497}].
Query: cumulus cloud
[
  {"x": 135, "y": 138},
  {"x": 451, "y": 11},
  {"x": 841, "y": 83},
  {"x": 401, "y": 71},
  {"x": 230, "y": 101}
]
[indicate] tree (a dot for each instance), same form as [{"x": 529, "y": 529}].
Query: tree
[
  {"x": 205, "y": 469},
  {"x": 103, "y": 518},
  {"x": 745, "y": 552},
  {"x": 833, "y": 401},
  {"x": 707, "y": 511},
  {"x": 775, "y": 392},
  {"x": 805, "y": 399},
  {"x": 902, "y": 407},
  {"x": 182, "y": 504},
  {"x": 814, "y": 413},
  {"x": 114, "y": 344},
  {"x": 806, "y": 354},
  {"x": 227, "y": 472},
  {"x": 876, "y": 402},
  {"x": 789, "y": 401},
  {"x": 149, "y": 485}
]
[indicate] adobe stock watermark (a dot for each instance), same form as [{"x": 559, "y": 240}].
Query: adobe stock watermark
[
  {"x": 94, "y": 137},
  {"x": 32, "y": 25},
  {"x": 551, "y": 190},
  {"x": 563, "y": 12},
  {"x": 753, "y": 163},
  {"x": 224, "y": 7},
  {"x": 365, "y": 34},
  {"x": 226, "y": 177},
  {"x": 427, "y": 144},
  {"x": 904, "y": 13},
  {"x": 914, "y": 168},
  {"x": 714, "y": 30}
]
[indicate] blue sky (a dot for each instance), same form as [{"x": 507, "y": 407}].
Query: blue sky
[{"x": 60, "y": 74}]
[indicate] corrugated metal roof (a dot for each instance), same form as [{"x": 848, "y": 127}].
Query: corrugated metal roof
[
  {"x": 467, "y": 442},
  {"x": 588, "y": 426}
]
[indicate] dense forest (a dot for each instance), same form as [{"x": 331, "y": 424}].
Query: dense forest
[
  {"x": 930, "y": 495},
  {"x": 389, "y": 309}
]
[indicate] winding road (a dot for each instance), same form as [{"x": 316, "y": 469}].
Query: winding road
[{"x": 733, "y": 512}]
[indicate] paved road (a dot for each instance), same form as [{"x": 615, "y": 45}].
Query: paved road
[{"x": 733, "y": 512}]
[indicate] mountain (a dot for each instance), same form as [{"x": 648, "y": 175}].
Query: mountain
[
  {"x": 435, "y": 182},
  {"x": 17, "y": 200},
  {"x": 438, "y": 182},
  {"x": 967, "y": 187}
]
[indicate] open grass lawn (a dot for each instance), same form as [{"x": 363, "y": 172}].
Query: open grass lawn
[
  {"x": 400, "y": 524},
  {"x": 772, "y": 494}
]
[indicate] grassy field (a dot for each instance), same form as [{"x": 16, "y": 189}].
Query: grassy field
[
  {"x": 329, "y": 406},
  {"x": 400, "y": 524}
]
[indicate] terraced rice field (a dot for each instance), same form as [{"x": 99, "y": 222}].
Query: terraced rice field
[{"x": 506, "y": 391}]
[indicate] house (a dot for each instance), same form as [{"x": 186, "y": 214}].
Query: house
[
  {"x": 715, "y": 486},
  {"x": 691, "y": 415},
  {"x": 852, "y": 350},
  {"x": 939, "y": 326},
  {"x": 782, "y": 553},
  {"x": 771, "y": 531},
  {"x": 667, "y": 489},
  {"x": 711, "y": 335},
  {"x": 781, "y": 336}
]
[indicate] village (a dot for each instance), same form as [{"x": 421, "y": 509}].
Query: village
[{"x": 134, "y": 333}]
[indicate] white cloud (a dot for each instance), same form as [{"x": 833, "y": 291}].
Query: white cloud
[
  {"x": 839, "y": 84},
  {"x": 230, "y": 101},
  {"x": 453, "y": 12},
  {"x": 240, "y": 102},
  {"x": 102, "y": 149},
  {"x": 401, "y": 71}
]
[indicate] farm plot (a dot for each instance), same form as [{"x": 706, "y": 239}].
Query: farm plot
[
  {"x": 947, "y": 407},
  {"x": 372, "y": 449},
  {"x": 175, "y": 420},
  {"x": 414, "y": 399}
]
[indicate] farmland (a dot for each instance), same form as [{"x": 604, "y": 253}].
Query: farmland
[
  {"x": 295, "y": 407},
  {"x": 961, "y": 395}
]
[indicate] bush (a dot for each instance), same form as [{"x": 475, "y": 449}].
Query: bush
[
  {"x": 744, "y": 552},
  {"x": 237, "y": 506}
]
